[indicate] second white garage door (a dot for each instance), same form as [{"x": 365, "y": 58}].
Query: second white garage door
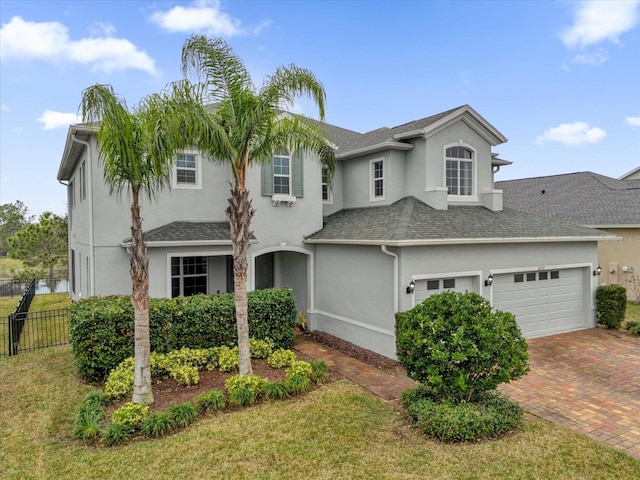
[{"x": 544, "y": 302}]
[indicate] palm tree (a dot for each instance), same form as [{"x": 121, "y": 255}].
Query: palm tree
[
  {"x": 243, "y": 128},
  {"x": 137, "y": 150}
]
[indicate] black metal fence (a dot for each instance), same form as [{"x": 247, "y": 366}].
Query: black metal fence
[
  {"x": 26, "y": 330},
  {"x": 14, "y": 288}
]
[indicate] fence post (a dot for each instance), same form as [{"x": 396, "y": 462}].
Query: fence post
[{"x": 11, "y": 327}]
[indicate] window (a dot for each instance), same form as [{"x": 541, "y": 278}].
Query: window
[
  {"x": 433, "y": 284},
  {"x": 459, "y": 171},
  {"x": 543, "y": 275},
  {"x": 326, "y": 187},
  {"x": 72, "y": 257},
  {"x": 555, "y": 274},
  {"x": 449, "y": 283},
  {"x": 188, "y": 276},
  {"x": 377, "y": 179},
  {"x": 531, "y": 277},
  {"x": 187, "y": 172},
  {"x": 281, "y": 175},
  {"x": 518, "y": 277},
  {"x": 83, "y": 181}
]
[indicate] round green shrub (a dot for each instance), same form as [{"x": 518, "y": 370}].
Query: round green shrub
[
  {"x": 260, "y": 348},
  {"x": 120, "y": 380},
  {"x": 116, "y": 434},
  {"x": 611, "y": 305},
  {"x": 182, "y": 414},
  {"x": 277, "y": 390},
  {"x": 634, "y": 327},
  {"x": 454, "y": 344},
  {"x": 491, "y": 415}
]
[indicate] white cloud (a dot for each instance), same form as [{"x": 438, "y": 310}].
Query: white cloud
[
  {"x": 572, "y": 134},
  {"x": 598, "y": 21},
  {"x": 203, "y": 16},
  {"x": 51, "y": 119},
  {"x": 633, "y": 121},
  {"x": 594, "y": 59},
  {"x": 49, "y": 41},
  {"x": 4, "y": 108},
  {"x": 102, "y": 28}
]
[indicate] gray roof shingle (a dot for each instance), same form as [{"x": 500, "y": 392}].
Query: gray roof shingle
[
  {"x": 409, "y": 219},
  {"x": 585, "y": 198}
]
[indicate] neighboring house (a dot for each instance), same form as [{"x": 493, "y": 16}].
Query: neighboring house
[
  {"x": 412, "y": 210},
  {"x": 632, "y": 175},
  {"x": 595, "y": 201}
]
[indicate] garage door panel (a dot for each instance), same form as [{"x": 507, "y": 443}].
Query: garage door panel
[{"x": 542, "y": 305}]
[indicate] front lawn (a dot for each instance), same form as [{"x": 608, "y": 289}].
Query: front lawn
[
  {"x": 633, "y": 312},
  {"x": 338, "y": 431}
]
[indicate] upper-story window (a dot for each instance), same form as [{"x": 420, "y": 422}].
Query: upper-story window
[
  {"x": 187, "y": 171},
  {"x": 282, "y": 177},
  {"x": 459, "y": 171},
  {"x": 282, "y": 174},
  {"x": 83, "y": 181},
  {"x": 326, "y": 186},
  {"x": 377, "y": 179}
]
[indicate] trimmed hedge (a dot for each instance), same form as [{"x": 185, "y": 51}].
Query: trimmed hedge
[
  {"x": 101, "y": 330},
  {"x": 611, "y": 305}
]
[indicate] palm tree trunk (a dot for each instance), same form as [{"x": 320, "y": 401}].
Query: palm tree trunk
[
  {"x": 140, "y": 300},
  {"x": 239, "y": 215}
]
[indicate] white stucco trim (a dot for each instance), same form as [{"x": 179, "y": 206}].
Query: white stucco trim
[
  {"x": 355, "y": 323},
  {"x": 454, "y": 241},
  {"x": 208, "y": 253},
  {"x": 251, "y": 281},
  {"x": 430, "y": 276}
]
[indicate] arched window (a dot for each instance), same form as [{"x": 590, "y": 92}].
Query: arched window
[{"x": 459, "y": 171}]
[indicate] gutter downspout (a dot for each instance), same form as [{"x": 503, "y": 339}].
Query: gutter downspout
[
  {"x": 92, "y": 279},
  {"x": 395, "y": 276}
]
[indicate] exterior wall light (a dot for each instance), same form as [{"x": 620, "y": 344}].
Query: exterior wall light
[
  {"x": 411, "y": 288},
  {"x": 597, "y": 271},
  {"x": 489, "y": 281}
]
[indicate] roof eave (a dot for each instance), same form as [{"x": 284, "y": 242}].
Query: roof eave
[
  {"x": 456, "y": 241},
  {"x": 68, "y": 160},
  {"x": 185, "y": 243},
  {"x": 379, "y": 147}
]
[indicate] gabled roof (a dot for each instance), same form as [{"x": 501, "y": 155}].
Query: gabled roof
[
  {"x": 187, "y": 233},
  {"x": 584, "y": 198},
  {"x": 351, "y": 143},
  {"x": 634, "y": 172},
  {"x": 73, "y": 148},
  {"x": 411, "y": 222}
]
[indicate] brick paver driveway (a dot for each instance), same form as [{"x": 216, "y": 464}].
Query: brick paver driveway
[{"x": 588, "y": 381}]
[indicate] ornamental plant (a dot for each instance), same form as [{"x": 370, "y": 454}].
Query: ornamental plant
[
  {"x": 458, "y": 347},
  {"x": 611, "y": 305}
]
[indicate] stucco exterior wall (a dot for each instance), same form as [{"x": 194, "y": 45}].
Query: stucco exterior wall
[
  {"x": 615, "y": 255},
  {"x": 355, "y": 284}
]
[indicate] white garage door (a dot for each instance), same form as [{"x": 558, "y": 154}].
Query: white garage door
[
  {"x": 544, "y": 302},
  {"x": 426, "y": 288}
]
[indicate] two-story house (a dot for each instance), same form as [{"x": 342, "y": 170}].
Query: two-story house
[{"x": 411, "y": 211}]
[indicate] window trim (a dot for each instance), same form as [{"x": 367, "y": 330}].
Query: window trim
[
  {"x": 174, "y": 172},
  {"x": 83, "y": 181},
  {"x": 372, "y": 179},
  {"x": 474, "y": 172}
]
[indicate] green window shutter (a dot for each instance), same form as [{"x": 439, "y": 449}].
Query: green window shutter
[
  {"x": 267, "y": 179},
  {"x": 297, "y": 175}
]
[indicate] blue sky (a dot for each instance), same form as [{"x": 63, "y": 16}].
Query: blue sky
[{"x": 561, "y": 80}]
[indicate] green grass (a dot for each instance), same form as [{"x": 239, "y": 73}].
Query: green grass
[
  {"x": 7, "y": 264},
  {"x": 56, "y": 331},
  {"x": 336, "y": 432},
  {"x": 633, "y": 312}
]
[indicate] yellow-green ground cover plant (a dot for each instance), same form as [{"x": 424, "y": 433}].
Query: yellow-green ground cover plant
[{"x": 183, "y": 366}]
